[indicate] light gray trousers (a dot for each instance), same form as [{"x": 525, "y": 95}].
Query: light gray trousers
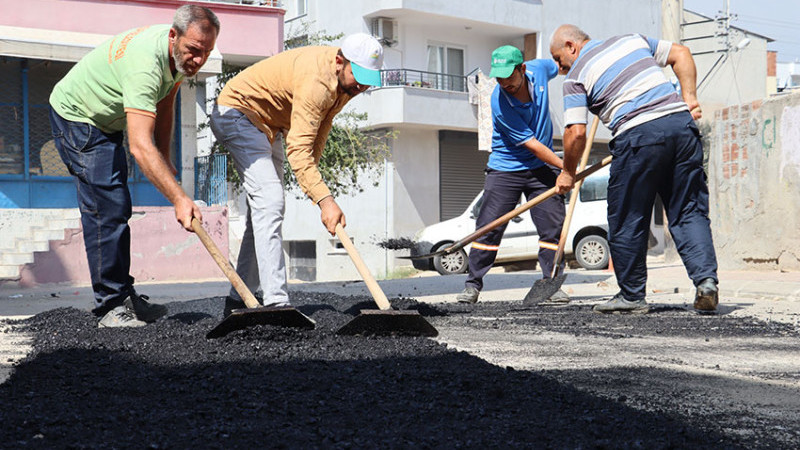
[{"x": 261, "y": 263}]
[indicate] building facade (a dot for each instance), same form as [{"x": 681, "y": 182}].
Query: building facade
[{"x": 432, "y": 50}]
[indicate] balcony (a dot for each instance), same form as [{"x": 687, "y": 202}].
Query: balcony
[
  {"x": 418, "y": 99},
  {"x": 422, "y": 79},
  {"x": 501, "y": 18}
]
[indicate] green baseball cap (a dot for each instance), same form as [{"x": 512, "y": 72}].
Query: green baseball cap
[{"x": 504, "y": 59}]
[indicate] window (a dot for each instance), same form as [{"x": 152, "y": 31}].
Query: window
[
  {"x": 448, "y": 65},
  {"x": 302, "y": 7}
]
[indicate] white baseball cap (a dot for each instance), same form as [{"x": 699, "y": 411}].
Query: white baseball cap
[{"x": 365, "y": 54}]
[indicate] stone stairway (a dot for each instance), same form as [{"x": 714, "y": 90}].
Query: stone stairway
[{"x": 25, "y": 231}]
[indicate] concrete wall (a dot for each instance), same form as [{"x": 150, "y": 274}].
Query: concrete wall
[
  {"x": 161, "y": 250},
  {"x": 754, "y": 180}
]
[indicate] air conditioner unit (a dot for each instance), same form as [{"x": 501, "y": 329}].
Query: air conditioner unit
[{"x": 385, "y": 29}]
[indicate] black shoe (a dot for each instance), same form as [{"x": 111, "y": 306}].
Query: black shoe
[
  {"x": 707, "y": 297},
  {"x": 618, "y": 304},
  {"x": 144, "y": 310},
  {"x": 231, "y": 304}
]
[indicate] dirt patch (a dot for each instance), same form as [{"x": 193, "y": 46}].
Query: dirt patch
[{"x": 165, "y": 385}]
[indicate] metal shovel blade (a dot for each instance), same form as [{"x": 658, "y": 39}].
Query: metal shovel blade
[
  {"x": 239, "y": 319},
  {"x": 444, "y": 251},
  {"x": 376, "y": 322},
  {"x": 543, "y": 289}
]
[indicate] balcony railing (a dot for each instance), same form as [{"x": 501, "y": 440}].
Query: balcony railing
[
  {"x": 268, "y": 3},
  {"x": 419, "y": 78}
]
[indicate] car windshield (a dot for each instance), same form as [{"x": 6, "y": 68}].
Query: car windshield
[{"x": 595, "y": 188}]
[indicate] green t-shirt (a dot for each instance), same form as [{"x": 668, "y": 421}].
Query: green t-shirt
[{"x": 129, "y": 71}]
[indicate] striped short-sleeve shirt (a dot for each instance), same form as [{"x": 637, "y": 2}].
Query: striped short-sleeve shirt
[{"x": 621, "y": 81}]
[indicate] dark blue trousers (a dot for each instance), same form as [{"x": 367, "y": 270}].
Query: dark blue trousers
[
  {"x": 501, "y": 192},
  {"x": 664, "y": 157},
  {"x": 98, "y": 162}
]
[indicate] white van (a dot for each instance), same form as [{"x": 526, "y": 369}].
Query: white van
[{"x": 586, "y": 241}]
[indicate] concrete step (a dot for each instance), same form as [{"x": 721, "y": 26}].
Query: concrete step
[
  {"x": 16, "y": 258},
  {"x": 63, "y": 223},
  {"x": 23, "y": 245},
  {"x": 42, "y": 234},
  {"x": 9, "y": 271}
]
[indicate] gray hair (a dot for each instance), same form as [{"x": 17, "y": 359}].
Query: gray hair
[
  {"x": 566, "y": 33},
  {"x": 192, "y": 14}
]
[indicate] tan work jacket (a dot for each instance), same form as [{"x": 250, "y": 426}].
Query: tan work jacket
[{"x": 295, "y": 90}]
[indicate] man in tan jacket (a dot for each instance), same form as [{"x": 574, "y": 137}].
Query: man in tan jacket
[{"x": 299, "y": 90}]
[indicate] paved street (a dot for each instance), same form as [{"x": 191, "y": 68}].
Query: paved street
[{"x": 745, "y": 360}]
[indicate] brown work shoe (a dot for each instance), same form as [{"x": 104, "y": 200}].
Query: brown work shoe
[
  {"x": 707, "y": 297},
  {"x": 468, "y": 295},
  {"x": 618, "y": 305}
]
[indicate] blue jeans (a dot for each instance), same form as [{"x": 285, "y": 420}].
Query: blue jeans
[
  {"x": 98, "y": 162},
  {"x": 664, "y": 157}
]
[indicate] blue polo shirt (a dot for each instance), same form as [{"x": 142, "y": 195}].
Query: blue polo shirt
[{"x": 515, "y": 123}]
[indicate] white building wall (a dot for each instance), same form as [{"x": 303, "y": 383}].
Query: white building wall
[{"x": 741, "y": 74}]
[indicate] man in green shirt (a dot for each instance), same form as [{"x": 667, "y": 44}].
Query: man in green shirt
[{"x": 128, "y": 82}]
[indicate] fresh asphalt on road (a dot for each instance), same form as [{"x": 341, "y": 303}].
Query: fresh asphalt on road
[{"x": 740, "y": 367}]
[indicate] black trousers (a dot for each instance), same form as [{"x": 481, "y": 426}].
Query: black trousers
[
  {"x": 502, "y": 191},
  {"x": 663, "y": 156}
]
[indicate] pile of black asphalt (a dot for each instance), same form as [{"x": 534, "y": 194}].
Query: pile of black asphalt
[{"x": 167, "y": 386}]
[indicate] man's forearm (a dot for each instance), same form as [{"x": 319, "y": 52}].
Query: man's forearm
[
  {"x": 543, "y": 153},
  {"x": 574, "y": 142},
  {"x": 155, "y": 168}
]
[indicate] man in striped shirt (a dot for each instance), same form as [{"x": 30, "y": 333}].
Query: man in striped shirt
[{"x": 656, "y": 148}]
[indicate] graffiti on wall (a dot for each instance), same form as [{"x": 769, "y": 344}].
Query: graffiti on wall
[
  {"x": 768, "y": 135},
  {"x": 790, "y": 138}
]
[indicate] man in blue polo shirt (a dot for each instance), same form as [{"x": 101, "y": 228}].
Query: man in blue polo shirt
[
  {"x": 656, "y": 148},
  {"x": 522, "y": 162}
]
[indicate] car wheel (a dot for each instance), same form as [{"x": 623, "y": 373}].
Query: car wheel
[
  {"x": 452, "y": 263},
  {"x": 592, "y": 252}
]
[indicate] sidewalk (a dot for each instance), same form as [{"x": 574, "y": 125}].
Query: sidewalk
[{"x": 433, "y": 288}]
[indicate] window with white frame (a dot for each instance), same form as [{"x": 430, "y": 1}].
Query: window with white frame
[{"x": 447, "y": 62}]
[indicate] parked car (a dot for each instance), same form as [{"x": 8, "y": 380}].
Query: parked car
[{"x": 586, "y": 242}]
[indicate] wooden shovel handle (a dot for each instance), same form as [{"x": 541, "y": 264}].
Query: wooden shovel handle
[
  {"x": 573, "y": 199},
  {"x": 224, "y": 264},
  {"x": 522, "y": 208},
  {"x": 372, "y": 285}
]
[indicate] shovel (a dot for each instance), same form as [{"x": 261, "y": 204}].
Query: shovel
[
  {"x": 239, "y": 319},
  {"x": 384, "y": 321},
  {"x": 509, "y": 215},
  {"x": 544, "y": 288}
]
